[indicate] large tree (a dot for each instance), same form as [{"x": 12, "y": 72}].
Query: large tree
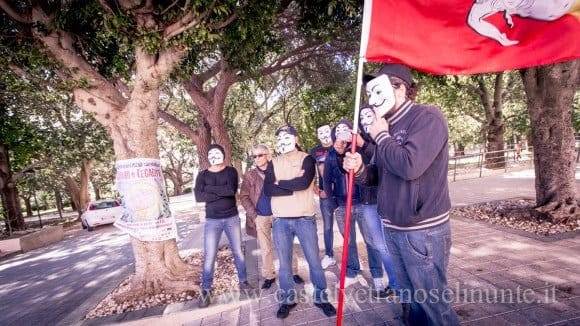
[
  {"x": 115, "y": 55},
  {"x": 550, "y": 92}
]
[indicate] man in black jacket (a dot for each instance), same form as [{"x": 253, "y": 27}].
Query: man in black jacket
[
  {"x": 217, "y": 187},
  {"x": 413, "y": 197}
]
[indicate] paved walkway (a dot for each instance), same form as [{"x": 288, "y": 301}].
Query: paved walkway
[{"x": 497, "y": 277}]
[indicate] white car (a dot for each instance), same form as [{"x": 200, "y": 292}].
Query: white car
[{"x": 101, "y": 212}]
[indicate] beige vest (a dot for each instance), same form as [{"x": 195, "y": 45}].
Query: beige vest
[{"x": 300, "y": 203}]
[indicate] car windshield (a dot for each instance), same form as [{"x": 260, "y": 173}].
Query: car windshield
[{"x": 104, "y": 204}]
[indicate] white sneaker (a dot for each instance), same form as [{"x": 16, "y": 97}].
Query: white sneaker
[
  {"x": 348, "y": 281},
  {"x": 378, "y": 283},
  {"x": 327, "y": 261}
]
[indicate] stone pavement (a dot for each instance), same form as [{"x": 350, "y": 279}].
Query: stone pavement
[{"x": 496, "y": 276}]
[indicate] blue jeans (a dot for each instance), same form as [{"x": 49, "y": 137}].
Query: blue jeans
[
  {"x": 212, "y": 233},
  {"x": 352, "y": 262},
  {"x": 373, "y": 228},
  {"x": 327, "y": 207},
  {"x": 420, "y": 263},
  {"x": 283, "y": 232}
]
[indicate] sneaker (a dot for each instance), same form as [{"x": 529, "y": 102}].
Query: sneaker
[
  {"x": 268, "y": 283},
  {"x": 327, "y": 261},
  {"x": 204, "y": 299},
  {"x": 348, "y": 281},
  {"x": 378, "y": 283},
  {"x": 284, "y": 310},
  {"x": 383, "y": 293},
  {"x": 297, "y": 279},
  {"x": 245, "y": 286},
  {"x": 327, "y": 309},
  {"x": 406, "y": 313}
]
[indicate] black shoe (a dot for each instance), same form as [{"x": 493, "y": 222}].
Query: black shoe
[
  {"x": 298, "y": 279},
  {"x": 327, "y": 309},
  {"x": 284, "y": 310},
  {"x": 382, "y": 294},
  {"x": 406, "y": 314},
  {"x": 245, "y": 286},
  {"x": 204, "y": 300},
  {"x": 268, "y": 283}
]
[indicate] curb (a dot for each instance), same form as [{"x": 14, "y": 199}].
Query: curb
[
  {"x": 76, "y": 318},
  {"x": 526, "y": 234},
  {"x": 10, "y": 254}
]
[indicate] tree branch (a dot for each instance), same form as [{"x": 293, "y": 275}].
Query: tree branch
[
  {"x": 225, "y": 23},
  {"x": 106, "y": 6},
  {"x": 169, "y": 7},
  {"x": 13, "y": 14},
  {"x": 186, "y": 22},
  {"x": 179, "y": 125}
]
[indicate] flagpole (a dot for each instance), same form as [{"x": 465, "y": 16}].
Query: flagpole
[
  {"x": 346, "y": 233},
  {"x": 361, "y": 60}
]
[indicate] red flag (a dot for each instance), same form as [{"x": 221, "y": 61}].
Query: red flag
[{"x": 468, "y": 37}]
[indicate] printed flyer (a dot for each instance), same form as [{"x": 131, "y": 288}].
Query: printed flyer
[{"x": 146, "y": 215}]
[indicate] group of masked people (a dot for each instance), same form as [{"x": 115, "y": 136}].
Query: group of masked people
[{"x": 400, "y": 202}]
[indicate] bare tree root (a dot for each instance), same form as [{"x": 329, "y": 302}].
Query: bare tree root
[
  {"x": 138, "y": 290},
  {"x": 561, "y": 211},
  {"x": 159, "y": 270},
  {"x": 178, "y": 267}
]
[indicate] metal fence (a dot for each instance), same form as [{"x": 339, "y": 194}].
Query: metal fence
[{"x": 482, "y": 164}]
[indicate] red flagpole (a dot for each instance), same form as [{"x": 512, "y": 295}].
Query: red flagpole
[
  {"x": 346, "y": 236},
  {"x": 361, "y": 60}
]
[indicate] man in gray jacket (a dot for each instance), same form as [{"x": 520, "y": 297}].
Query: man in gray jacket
[{"x": 413, "y": 196}]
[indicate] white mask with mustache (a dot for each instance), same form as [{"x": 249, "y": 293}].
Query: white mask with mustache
[
  {"x": 323, "y": 134},
  {"x": 367, "y": 118},
  {"x": 381, "y": 95},
  {"x": 215, "y": 156},
  {"x": 286, "y": 142},
  {"x": 342, "y": 132}
]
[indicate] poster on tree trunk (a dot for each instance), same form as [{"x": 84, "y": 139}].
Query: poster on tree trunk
[{"x": 146, "y": 213}]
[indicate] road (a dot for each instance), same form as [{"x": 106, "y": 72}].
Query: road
[{"x": 45, "y": 286}]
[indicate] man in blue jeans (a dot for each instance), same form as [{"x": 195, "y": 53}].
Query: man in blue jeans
[
  {"x": 411, "y": 172},
  {"x": 217, "y": 187},
  {"x": 289, "y": 181},
  {"x": 327, "y": 200},
  {"x": 363, "y": 213}
]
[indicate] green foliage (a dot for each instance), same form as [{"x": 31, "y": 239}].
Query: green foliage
[
  {"x": 458, "y": 98},
  {"x": 323, "y": 18},
  {"x": 303, "y": 98}
]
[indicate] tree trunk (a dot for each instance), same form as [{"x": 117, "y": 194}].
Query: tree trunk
[
  {"x": 74, "y": 193},
  {"x": 550, "y": 91},
  {"x": 9, "y": 193},
  {"x": 58, "y": 200},
  {"x": 158, "y": 266},
  {"x": 177, "y": 184},
  {"x": 131, "y": 119},
  {"x": 80, "y": 194},
  {"x": 177, "y": 187},
  {"x": 97, "y": 192},
  {"x": 86, "y": 168},
  {"x": 494, "y": 128},
  {"x": 204, "y": 137},
  {"x": 460, "y": 150},
  {"x": 495, "y": 157},
  {"x": 28, "y": 207}
]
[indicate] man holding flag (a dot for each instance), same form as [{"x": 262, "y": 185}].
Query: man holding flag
[{"x": 413, "y": 199}]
